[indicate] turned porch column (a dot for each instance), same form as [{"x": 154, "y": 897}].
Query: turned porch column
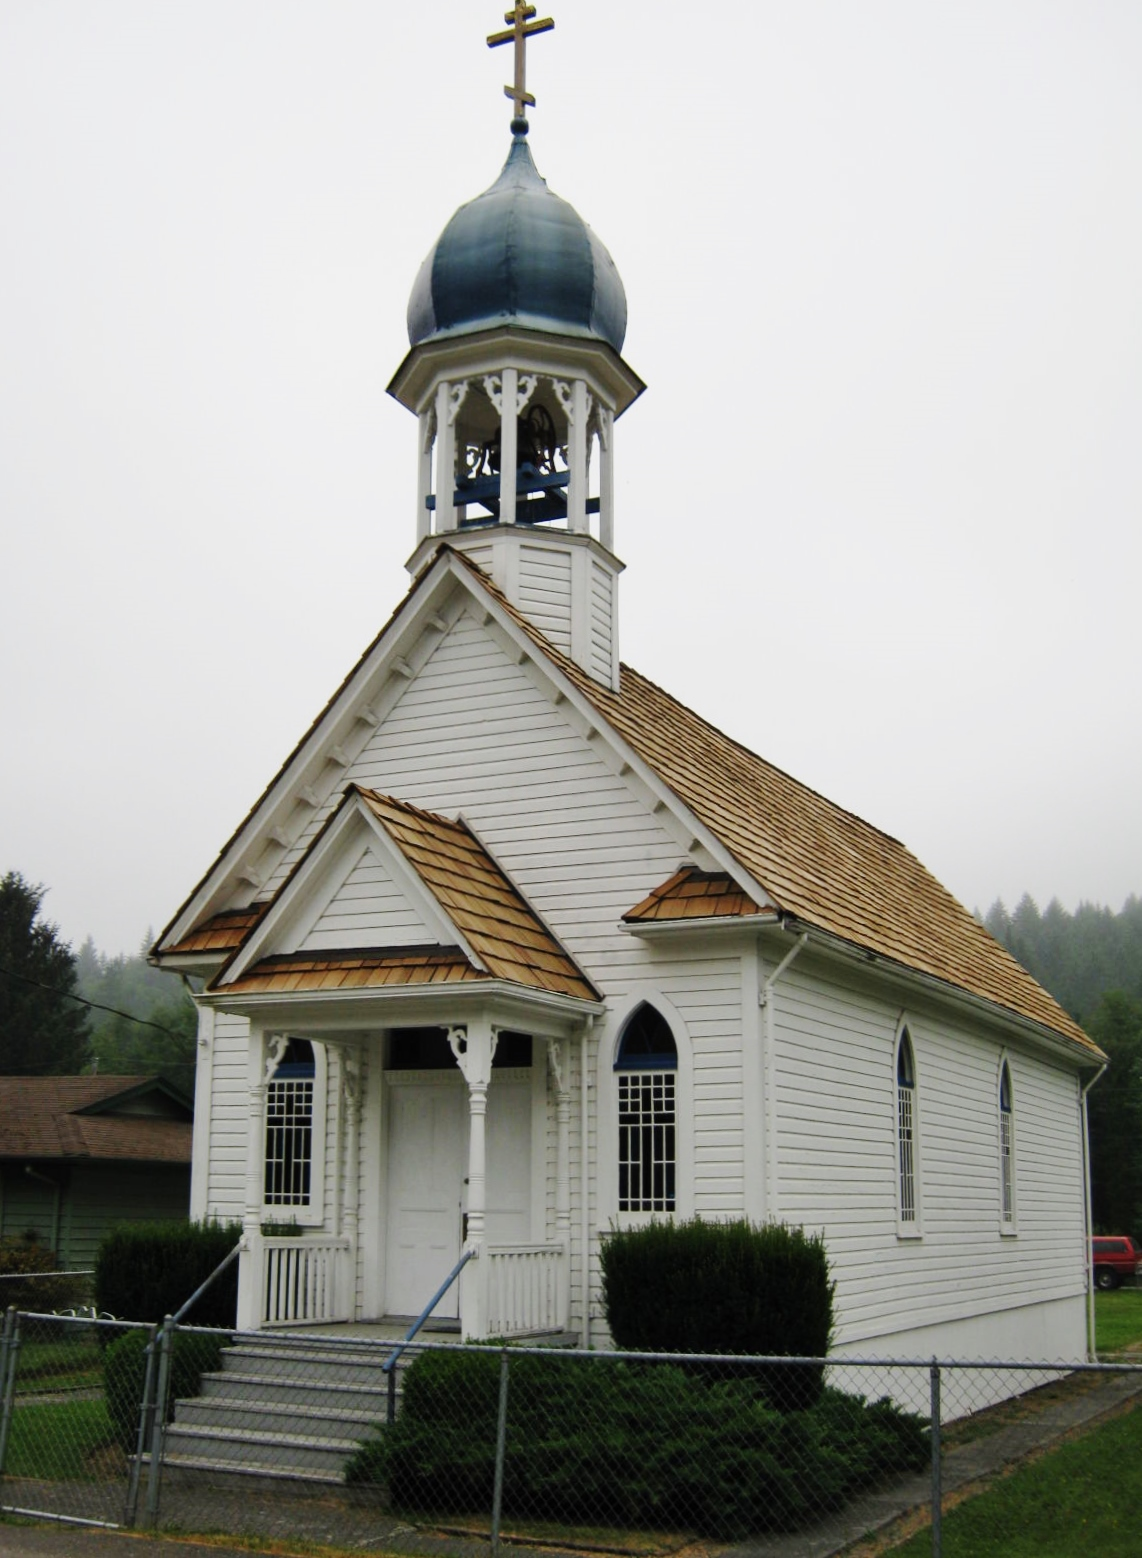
[{"x": 474, "y": 1047}]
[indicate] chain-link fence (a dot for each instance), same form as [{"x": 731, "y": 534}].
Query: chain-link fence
[{"x": 317, "y": 1436}]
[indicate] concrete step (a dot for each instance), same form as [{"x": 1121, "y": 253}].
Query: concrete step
[
  {"x": 289, "y": 1362},
  {"x": 309, "y": 1419},
  {"x": 259, "y": 1389},
  {"x": 260, "y": 1452}
]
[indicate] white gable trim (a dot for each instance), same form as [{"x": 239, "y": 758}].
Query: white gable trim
[{"x": 320, "y": 874}]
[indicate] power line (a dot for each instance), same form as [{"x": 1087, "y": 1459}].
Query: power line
[{"x": 96, "y": 1006}]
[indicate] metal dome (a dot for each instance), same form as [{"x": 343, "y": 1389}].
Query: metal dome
[{"x": 518, "y": 255}]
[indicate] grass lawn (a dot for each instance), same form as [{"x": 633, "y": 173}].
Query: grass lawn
[
  {"x": 1082, "y": 1498},
  {"x": 59, "y": 1441},
  {"x": 1118, "y": 1320},
  {"x": 71, "y": 1364}
]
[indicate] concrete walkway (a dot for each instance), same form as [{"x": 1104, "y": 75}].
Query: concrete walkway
[{"x": 336, "y": 1522}]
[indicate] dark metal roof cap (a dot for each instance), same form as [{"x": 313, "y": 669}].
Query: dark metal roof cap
[{"x": 520, "y": 255}]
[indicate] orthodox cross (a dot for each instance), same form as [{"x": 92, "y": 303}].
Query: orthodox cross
[{"x": 519, "y": 32}]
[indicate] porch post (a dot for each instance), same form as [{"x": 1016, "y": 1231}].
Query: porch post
[
  {"x": 557, "y": 1060},
  {"x": 262, "y": 1066},
  {"x": 473, "y": 1048}
]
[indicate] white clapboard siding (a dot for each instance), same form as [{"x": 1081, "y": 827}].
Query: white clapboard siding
[
  {"x": 367, "y": 910},
  {"x": 602, "y": 617},
  {"x": 837, "y": 1158},
  {"x": 545, "y": 591},
  {"x": 229, "y": 1119}
]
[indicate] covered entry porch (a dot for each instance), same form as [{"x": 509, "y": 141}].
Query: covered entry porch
[{"x": 383, "y": 1161}]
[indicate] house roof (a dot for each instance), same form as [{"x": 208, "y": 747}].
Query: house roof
[
  {"x": 504, "y": 934},
  {"x": 221, "y": 932},
  {"x": 691, "y": 894},
  {"x": 816, "y": 862},
  {"x": 75, "y": 1118},
  {"x": 365, "y": 969}
]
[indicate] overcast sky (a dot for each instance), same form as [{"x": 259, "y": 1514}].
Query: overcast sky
[{"x": 880, "y": 504}]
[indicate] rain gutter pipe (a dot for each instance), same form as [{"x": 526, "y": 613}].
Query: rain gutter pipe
[
  {"x": 765, "y": 1001},
  {"x": 584, "y": 1189},
  {"x": 1092, "y": 1351}
]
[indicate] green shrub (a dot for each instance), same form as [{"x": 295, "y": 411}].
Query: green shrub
[
  {"x": 125, "y": 1369},
  {"x": 723, "y": 1288},
  {"x": 595, "y": 1442},
  {"x": 26, "y": 1256},
  {"x": 148, "y": 1270}
]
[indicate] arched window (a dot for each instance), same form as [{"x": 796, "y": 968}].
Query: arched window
[
  {"x": 1006, "y": 1149},
  {"x": 290, "y": 1099},
  {"x": 906, "y": 1133},
  {"x": 646, "y": 1068}
]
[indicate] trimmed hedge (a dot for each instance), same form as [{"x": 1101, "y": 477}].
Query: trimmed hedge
[
  {"x": 624, "y": 1444},
  {"x": 125, "y": 1370},
  {"x": 147, "y": 1270}
]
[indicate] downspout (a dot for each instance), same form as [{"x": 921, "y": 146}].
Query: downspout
[
  {"x": 765, "y": 1002},
  {"x": 585, "y": 1189},
  {"x": 1092, "y": 1353}
]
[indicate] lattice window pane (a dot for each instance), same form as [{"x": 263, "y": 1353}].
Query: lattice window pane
[
  {"x": 1006, "y": 1160},
  {"x": 289, "y": 1141},
  {"x": 647, "y": 1141},
  {"x": 905, "y": 1103}
]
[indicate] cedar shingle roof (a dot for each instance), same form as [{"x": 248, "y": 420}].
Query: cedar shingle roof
[
  {"x": 221, "y": 932},
  {"x": 691, "y": 894},
  {"x": 818, "y": 862},
  {"x": 489, "y": 912},
  {"x": 38, "y": 1119},
  {"x": 485, "y": 906},
  {"x": 359, "y": 970}
]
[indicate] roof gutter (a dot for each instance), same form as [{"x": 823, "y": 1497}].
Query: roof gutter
[
  {"x": 1072, "y": 1049},
  {"x": 768, "y": 1072}
]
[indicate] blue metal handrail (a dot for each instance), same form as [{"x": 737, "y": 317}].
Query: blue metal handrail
[{"x": 390, "y": 1363}]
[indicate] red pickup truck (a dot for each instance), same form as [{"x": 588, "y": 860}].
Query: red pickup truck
[{"x": 1116, "y": 1259}]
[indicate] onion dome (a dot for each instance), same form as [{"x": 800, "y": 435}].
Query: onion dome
[{"x": 518, "y": 255}]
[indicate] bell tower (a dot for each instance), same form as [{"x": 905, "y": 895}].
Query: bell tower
[{"x": 515, "y": 374}]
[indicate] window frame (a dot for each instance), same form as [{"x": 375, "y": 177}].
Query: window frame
[
  {"x": 1006, "y": 1147},
  {"x": 607, "y": 1167},
  {"x": 310, "y": 1213},
  {"x": 908, "y": 1227}
]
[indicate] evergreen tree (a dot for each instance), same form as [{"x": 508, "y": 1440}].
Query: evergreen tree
[
  {"x": 154, "y": 1025},
  {"x": 1114, "y": 1112},
  {"x": 42, "y": 1031}
]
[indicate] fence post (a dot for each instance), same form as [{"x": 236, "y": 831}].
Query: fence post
[
  {"x": 937, "y": 1490},
  {"x": 11, "y": 1346},
  {"x": 146, "y": 1428},
  {"x": 501, "y": 1440},
  {"x": 391, "y": 1398},
  {"x": 166, "y": 1337}
]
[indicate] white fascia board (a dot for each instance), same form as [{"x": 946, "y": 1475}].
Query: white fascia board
[
  {"x": 299, "y": 898},
  {"x": 411, "y": 1005},
  {"x": 720, "y": 924},
  {"x": 423, "y": 601},
  {"x": 596, "y": 722},
  {"x": 943, "y": 990}
]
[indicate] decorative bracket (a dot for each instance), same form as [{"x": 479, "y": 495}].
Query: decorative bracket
[
  {"x": 277, "y": 1045},
  {"x": 456, "y": 397},
  {"x": 476, "y": 1075},
  {"x": 555, "y": 1065}
]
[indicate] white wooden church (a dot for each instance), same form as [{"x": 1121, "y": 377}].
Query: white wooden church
[{"x": 516, "y": 949}]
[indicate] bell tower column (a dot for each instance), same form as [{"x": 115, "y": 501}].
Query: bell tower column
[{"x": 509, "y": 443}]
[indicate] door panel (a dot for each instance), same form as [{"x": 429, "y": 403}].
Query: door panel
[{"x": 428, "y": 1151}]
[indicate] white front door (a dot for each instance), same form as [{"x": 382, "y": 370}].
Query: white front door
[{"x": 427, "y": 1162}]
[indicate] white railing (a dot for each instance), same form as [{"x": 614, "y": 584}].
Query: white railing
[
  {"x": 304, "y": 1281},
  {"x": 527, "y": 1288}
]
